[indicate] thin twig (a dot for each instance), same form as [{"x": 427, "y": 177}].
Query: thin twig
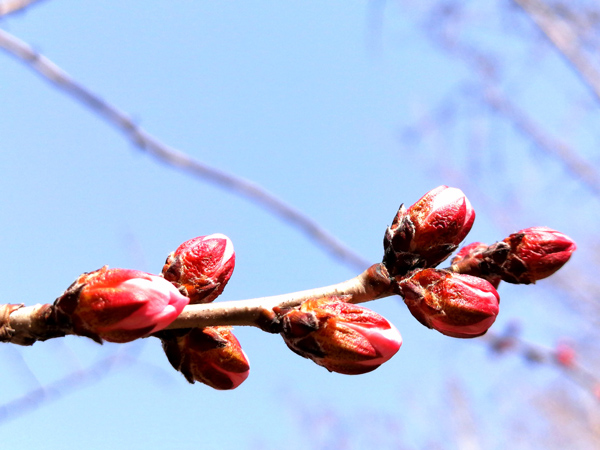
[
  {"x": 536, "y": 353},
  {"x": 577, "y": 166},
  {"x": 493, "y": 96},
  {"x": 24, "y": 325},
  {"x": 71, "y": 382},
  {"x": 175, "y": 158},
  {"x": 12, "y": 6}
]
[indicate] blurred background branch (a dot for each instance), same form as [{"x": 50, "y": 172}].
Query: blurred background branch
[{"x": 12, "y": 6}]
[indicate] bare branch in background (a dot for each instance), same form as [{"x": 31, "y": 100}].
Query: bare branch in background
[
  {"x": 12, "y": 6},
  {"x": 463, "y": 418},
  {"x": 494, "y": 97},
  {"x": 563, "y": 357},
  {"x": 72, "y": 382},
  {"x": 175, "y": 158},
  {"x": 566, "y": 40},
  {"x": 577, "y": 166}
]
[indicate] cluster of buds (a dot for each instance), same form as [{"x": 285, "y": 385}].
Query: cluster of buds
[
  {"x": 201, "y": 268},
  {"x": 121, "y": 305},
  {"x": 340, "y": 336},
  {"x": 462, "y": 301}
]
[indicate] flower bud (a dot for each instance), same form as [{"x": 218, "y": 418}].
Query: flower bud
[
  {"x": 210, "y": 355},
  {"x": 119, "y": 305},
  {"x": 456, "y": 305},
  {"x": 201, "y": 267},
  {"x": 429, "y": 231},
  {"x": 477, "y": 259},
  {"x": 473, "y": 250},
  {"x": 535, "y": 253},
  {"x": 340, "y": 336}
]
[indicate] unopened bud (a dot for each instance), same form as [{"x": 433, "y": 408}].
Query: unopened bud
[
  {"x": 340, "y": 336},
  {"x": 210, "y": 355},
  {"x": 535, "y": 253},
  {"x": 201, "y": 267},
  {"x": 477, "y": 259},
  {"x": 119, "y": 305},
  {"x": 429, "y": 231},
  {"x": 456, "y": 305}
]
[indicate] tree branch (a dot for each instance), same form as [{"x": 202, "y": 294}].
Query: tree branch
[
  {"x": 25, "y": 325},
  {"x": 12, "y": 6},
  {"x": 577, "y": 166},
  {"x": 536, "y": 353},
  {"x": 562, "y": 35},
  {"x": 177, "y": 159}
]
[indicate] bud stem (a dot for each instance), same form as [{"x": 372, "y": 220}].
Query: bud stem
[
  {"x": 24, "y": 325},
  {"x": 370, "y": 285}
]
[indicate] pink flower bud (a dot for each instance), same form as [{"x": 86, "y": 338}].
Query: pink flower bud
[
  {"x": 119, "y": 305},
  {"x": 469, "y": 251},
  {"x": 201, "y": 266},
  {"x": 456, "y": 305},
  {"x": 477, "y": 259},
  {"x": 429, "y": 231},
  {"x": 535, "y": 253},
  {"x": 340, "y": 336},
  {"x": 565, "y": 355},
  {"x": 211, "y": 355}
]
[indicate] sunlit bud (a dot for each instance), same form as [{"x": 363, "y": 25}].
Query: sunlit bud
[
  {"x": 201, "y": 267},
  {"x": 429, "y": 231},
  {"x": 535, "y": 253},
  {"x": 211, "y": 355},
  {"x": 340, "y": 336},
  {"x": 456, "y": 305},
  {"x": 477, "y": 259},
  {"x": 119, "y": 305}
]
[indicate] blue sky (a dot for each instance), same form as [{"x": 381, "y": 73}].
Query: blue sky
[{"x": 308, "y": 100}]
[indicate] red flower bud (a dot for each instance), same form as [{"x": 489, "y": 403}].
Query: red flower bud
[
  {"x": 456, "y": 305},
  {"x": 477, "y": 259},
  {"x": 468, "y": 251},
  {"x": 119, "y": 305},
  {"x": 340, "y": 336},
  {"x": 202, "y": 266},
  {"x": 535, "y": 253},
  {"x": 429, "y": 231},
  {"x": 211, "y": 355}
]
